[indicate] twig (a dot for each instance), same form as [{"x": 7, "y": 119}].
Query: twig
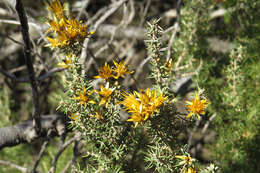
[
  {"x": 140, "y": 67},
  {"x": 23, "y": 132},
  {"x": 83, "y": 7},
  {"x": 10, "y": 38},
  {"x": 40, "y": 78},
  {"x": 17, "y": 23},
  {"x": 43, "y": 148},
  {"x": 20, "y": 168},
  {"x": 192, "y": 134},
  {"x": 75, "y": 155},
  {"x": 109, "y": 12},
  {"x": 49, "y": 73},
  {"x": 28, "y": 59},
  {"x": 62, "y": 147},
  {"x": 69, "y": 163},
  {"x": 113, "y": 8},
  {"x": 175, "y": 29},
  {"x": 148, "y": 3},
  {"x": 7, "y": 74},
  {"x": 203, "y": 132},
  {"x": 204, "y": 129}
]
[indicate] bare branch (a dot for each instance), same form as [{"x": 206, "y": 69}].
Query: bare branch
[
  {"x": 25, "y": 132},
  {"x": 108, "y": 13},
  {"x": 28, "y": 59},
  {"x": 26, "y": 79},
  {"x": 62, "y": 147},
  {"x": 175, "y": 29},
  {"x": 43, "y": 148},
  {"x": 20, "y": 168}
]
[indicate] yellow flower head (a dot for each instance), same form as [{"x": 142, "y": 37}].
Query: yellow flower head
[
  {"x": 105, "y": 94},
  {"x": 65, "y": 63},
  {"x": 197, "y": 106},
  {"x": 190, "y": 170},
  {"x": 187, "y": 160},
  {"x": 83, "y": 97},
  {"x": 120, "y": 69},
  {"x": 169, "y": 65},
  {"x": 142, "y": 105},
  {"x": 74, "y": 117},
  {"x": 136, "y": 118},
  {"x": 65, "y": 31},
  {"x": 97, "y": 116},
  {"x": 105, "y": 72},
  {"x": 56, "y": 8}
]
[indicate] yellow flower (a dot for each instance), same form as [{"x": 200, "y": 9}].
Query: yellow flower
[
  {"x": 187, "y": 167},
  {"x": 121, "y": 69},
  {"x": 65, "y": 31},
  {"x": 150, "y": 99},
  {"x": 98, "y": 116},
  {"x": 197, "y": 106},
  {"x": 187, "y": 160},
  {"x": 83, "y": 97},
  {"x": 136, "y": 118},
  {"x": 105, "y": 72},
  {"x": 142, "y": 105},
  {"x": 169, "y": 65},
  {"x": 56, "y": 8},
  {"x": 65, "y": 63},
  {"x": 74, "y": 116},
  {"x": 105, "y": 93},
  {"x": 190, "y": 170}
]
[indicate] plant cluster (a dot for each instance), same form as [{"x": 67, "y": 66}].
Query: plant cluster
[
  {"x": 200, "y": 97},
  {"x": 102, "y": 114}
]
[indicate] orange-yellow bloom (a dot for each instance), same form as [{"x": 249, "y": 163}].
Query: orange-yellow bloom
[
  {"x": 187, "y": 160},
  {"x": 97, "y": 116},
  {"x": 65, "y": 31},
  {"x": 136, "y": 118},
  {"x": 169, "y": 65},
  {"x": 105, "y": 72},
  {"x": 83, "y": 97},
  {"x": 120, "y": 69},
  {"x": 65, "y": 63},
  {"x": 74, "y": 117},
  {"x": 190, "y": 170},
  {"x": 197, "y": 106},
  {"x": 105, "y": 94},
  {"x": 142, "y": 105},
  {"x": 56, "y": 8}
]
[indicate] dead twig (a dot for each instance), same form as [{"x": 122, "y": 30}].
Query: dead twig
[
  {"x": 43, "y": 148},
  {"x": 112, "y": 9},
  {"x": 62, "y": 147},
  {"x": 175, "y": 29},
  {"x": 20, "y": 168},
  {"x": 26, "y": 79},
  {"x": 29, "y": 63}
]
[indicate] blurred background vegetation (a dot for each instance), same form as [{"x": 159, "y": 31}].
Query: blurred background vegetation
[{"x": 221, "y": 37}]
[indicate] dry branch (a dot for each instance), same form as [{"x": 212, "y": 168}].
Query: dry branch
[
  {"x": 29, "y": 63},
  {"x": 10, "y": 164},
  {"x": 24, "y": 132}
]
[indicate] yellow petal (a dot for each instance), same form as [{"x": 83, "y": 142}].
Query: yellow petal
[
  {"x": 91, "y": 102},
  {"x": 188, "y": 102},
  {"x": 190, "y": 114},
  {"x": 181, "y": 157},
  {"x": 196, "y": 95}
]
